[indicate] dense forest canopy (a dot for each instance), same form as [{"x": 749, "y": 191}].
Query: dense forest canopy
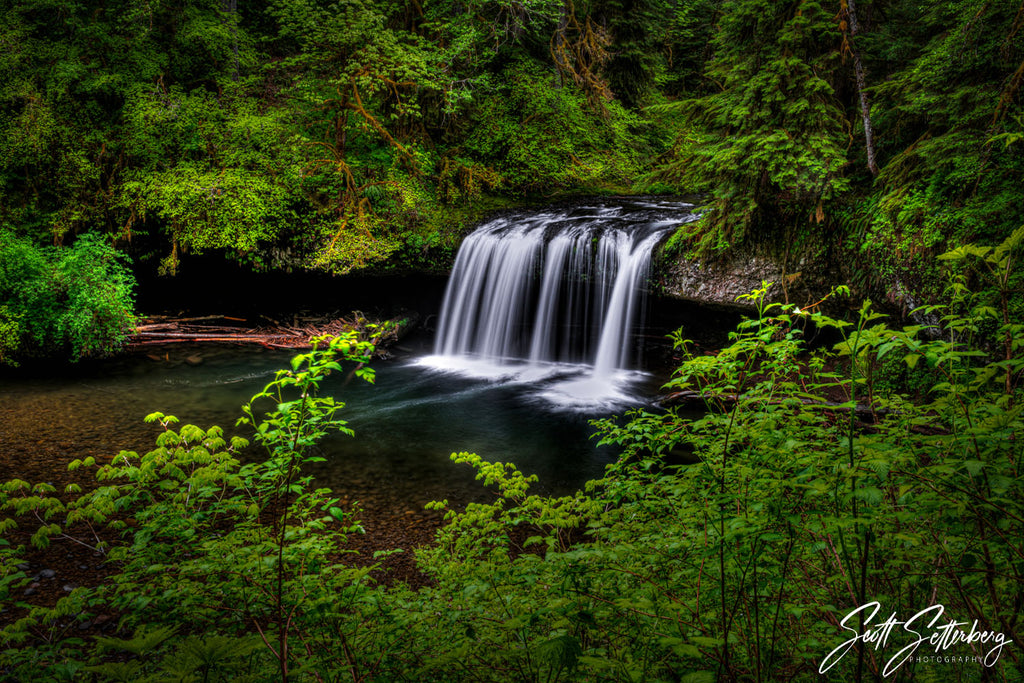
[{"x": 358, "y": 134}]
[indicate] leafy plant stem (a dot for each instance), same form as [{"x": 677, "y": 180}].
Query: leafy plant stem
[{"x": 778, "y": 602}]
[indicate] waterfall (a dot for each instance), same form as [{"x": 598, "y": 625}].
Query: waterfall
[
  {"x": 626, "y": 294},
  {"x": 554, "y": 288}
]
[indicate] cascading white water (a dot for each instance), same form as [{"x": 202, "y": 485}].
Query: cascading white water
[
  {"x": 552, "y": 289},
  {"x": 487, "y": 305},
  {"x": 634, "y": 259},
  {"x": 560, "y": 249}
]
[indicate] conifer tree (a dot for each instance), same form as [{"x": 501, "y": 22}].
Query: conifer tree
[{"x": 770, "y": 143}]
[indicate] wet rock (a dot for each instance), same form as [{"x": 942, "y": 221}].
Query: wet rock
[
  {"x": 29, "y": 591},
  {"x": 720, "y": 282},
  {"x": 46, "y": 574},
  {"x": 68, "y": 587}
]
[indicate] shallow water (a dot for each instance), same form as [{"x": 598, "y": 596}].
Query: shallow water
[{"x": 406, "y": 424}]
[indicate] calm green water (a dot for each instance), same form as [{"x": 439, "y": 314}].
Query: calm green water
[{"x": 406, "y": 425}]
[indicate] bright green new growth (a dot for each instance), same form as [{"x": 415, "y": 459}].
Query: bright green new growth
[{"x": 723, "y": 544}]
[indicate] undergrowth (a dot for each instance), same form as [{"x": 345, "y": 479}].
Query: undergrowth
[{"x": 796, "y": 525}]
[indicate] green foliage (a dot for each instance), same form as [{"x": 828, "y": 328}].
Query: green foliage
[
  {"x": 210, "y": 546},
  {"x": 215, "y": 172},
  {"x": 211, "y": 658},
  {"x": 64, "y": 80},
  {"x": 636, "y": 27},
  {"x": 728, "y": 543},
  {"x": 10, "y": 335},
  {"x": 775, "y": 135},
  {"x": 74, "y": 301},
  {"x": 953, "y": 109},
  {"x": 687, "y": 44},
  {"x": 461, "y": 181},
  {"x": 335, "y": 136},
  {"x": 141, "y": 641},
  {"x": 809, "y": 489},
  {"x": 545, "y": 138},
  {"x": 770, "y": 142},
  {"x": 303, "y": 133}
]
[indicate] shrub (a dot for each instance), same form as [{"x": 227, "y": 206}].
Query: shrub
[
  {"x": 740, "y": 543},
  {"x": 74, "y": 302}
]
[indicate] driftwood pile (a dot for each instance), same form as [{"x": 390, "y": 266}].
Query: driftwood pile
[{"x": 267, "y": 332}]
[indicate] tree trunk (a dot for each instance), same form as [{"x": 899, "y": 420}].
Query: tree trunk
[
  {"x": 558, "y": 41},
  {"x": 858, "y": 69}
]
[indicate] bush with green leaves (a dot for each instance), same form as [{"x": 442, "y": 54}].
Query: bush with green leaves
[
  {"x": 543, "y": 137},
  {"x": 729, "y": 543},
  {"x": 734, "y": 544},
  {"x": 10, "y": 335},
  {"x": 210, "y": 548},
  {"x": 71, "y": 302}
]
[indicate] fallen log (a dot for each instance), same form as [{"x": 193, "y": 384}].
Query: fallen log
[
  {"x": 201, "y": 318},
  {"x": 175, "y": 327},
  {"x": 226, "y": 340},
  {"x": 207, "y": 336},
  {"x": 277, "y": 336}
]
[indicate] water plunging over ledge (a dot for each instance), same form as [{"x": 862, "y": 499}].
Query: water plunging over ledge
[{"x": 552, "y": 298}]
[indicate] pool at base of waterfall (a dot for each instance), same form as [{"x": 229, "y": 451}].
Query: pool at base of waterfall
[
  {"x": 554, "y": 386},
  {"x": 406, "y": 424}
]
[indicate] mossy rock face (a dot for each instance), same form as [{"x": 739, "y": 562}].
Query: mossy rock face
[{"x": 802, "y": 280}]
